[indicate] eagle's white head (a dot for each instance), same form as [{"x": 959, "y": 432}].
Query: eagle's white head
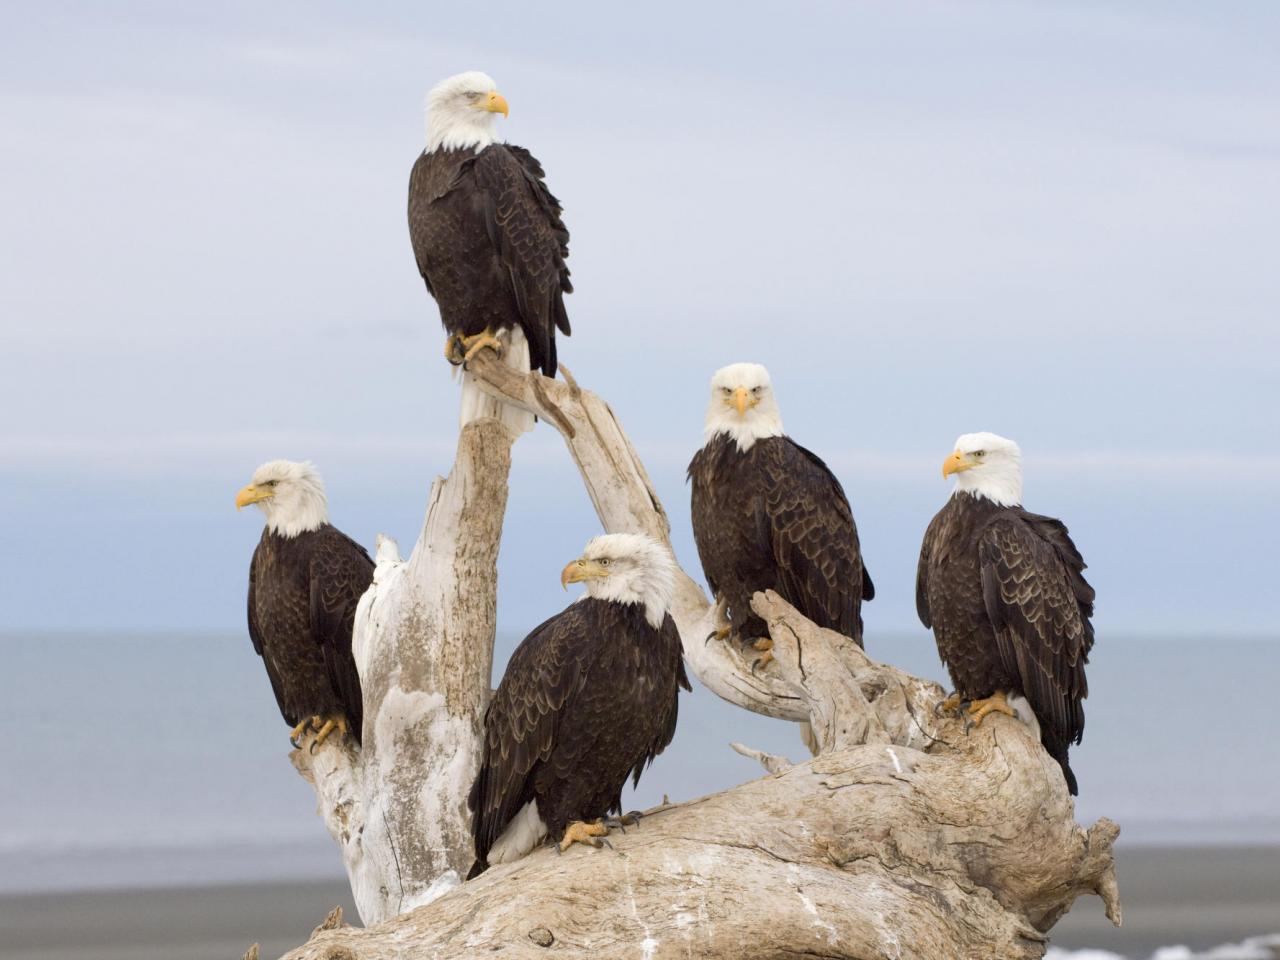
[
  {"x": 742, "y": 405},
  {"x": 987, "y": 465},
  {"x": 290, "y": 494},
  {"x": 626, "y": 568},
  {"x": 460, "y": 112}
]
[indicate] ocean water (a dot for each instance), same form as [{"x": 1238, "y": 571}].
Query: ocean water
[{"x": 141, "y": 760}]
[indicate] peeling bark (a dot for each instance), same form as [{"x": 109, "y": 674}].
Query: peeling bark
[{"x": 904, "y": 836}]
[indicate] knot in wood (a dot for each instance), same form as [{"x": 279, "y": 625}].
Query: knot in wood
[{"x": 542, "y": 936}]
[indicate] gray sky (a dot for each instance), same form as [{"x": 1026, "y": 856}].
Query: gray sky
[{"x": 1054, "y": 221}]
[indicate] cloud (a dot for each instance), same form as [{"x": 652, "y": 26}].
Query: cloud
[{"x": 177, "y": 454}]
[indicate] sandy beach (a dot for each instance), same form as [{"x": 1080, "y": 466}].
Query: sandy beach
[{"x": 1200, "y": 897}]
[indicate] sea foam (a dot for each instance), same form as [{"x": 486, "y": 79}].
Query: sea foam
[{"x": 1253, "y": 948}]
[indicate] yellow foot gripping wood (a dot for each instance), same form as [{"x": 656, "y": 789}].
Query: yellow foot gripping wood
[
  {"x": 477, "y": 343},
  {"x": 765, "y": 646},
  {"x": 453, "y": 349},
  {"x": 996, "y": 703},
  {"x": 724, "y": 626},
  {"x": 630, "y": 819},
  {"x": 331, "y": 723},
  {"x": 582, "y": 832},
  {"x": 948, "y": 706},
  {"x": 295, "y": 735}
]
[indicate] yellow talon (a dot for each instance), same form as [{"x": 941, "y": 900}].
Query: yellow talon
[
  {"x": 724, "y": 626},
  {"x": 295, "y": 735},
  {"x": 477, "y": 343},
  {"x": 765, "y": 646},
  {"x": 335, "y": 722},
  {"x": 582, "y": 832},
  {"x": 996, "y": 703},
  {"x": 453, "y": 348},
  {"x": 949, "y": 705}
]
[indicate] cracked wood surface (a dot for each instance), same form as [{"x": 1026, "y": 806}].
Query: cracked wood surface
[{"x": 423, "y": 644}]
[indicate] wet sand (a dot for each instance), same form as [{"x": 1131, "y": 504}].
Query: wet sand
[
  {"x": 192, "y": 923},
  {"x": 1200, "y": 897}
]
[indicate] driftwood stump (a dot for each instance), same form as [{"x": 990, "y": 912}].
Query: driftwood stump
[{"x": 903, "y": 837}]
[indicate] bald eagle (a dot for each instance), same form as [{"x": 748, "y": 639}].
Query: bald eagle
[
  {"x": 769, "y": 515},
  {"x": 488, "y": 238},
  {"x": 1004, "y": 591},
  {"x": 305, "y": 580},
  {"x": 588, "y": 699}
]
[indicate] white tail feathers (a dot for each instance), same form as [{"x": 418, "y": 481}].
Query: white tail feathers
[
  {"x": 477, "y": 404},
  {"x": 525, "y": 831}
]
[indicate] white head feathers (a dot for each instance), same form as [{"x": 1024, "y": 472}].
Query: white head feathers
[
  {"x": 628, "y": 568},
  {"x": 460, "y": 112},
  {"x": 987, "y": 465},
  {"x": 290, "y": 494},
  {"x": 742, "y": 405}
]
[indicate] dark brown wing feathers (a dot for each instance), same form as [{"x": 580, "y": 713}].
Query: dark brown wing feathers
[
  {"x": 588, "y": 700},
  {"x": 491, "y": 244},
  {"x": 1043, "y": 633},
  {"x": 1005, "y": 594},
  {"x": 303, "y": 593},
  {"x": 520, "y": 727},
  {"x": 927, "y": 553},
  {"x": 775, "y": 517},
  {"x": 341, "y": 572},
  {"x": 256, "y": 636},
  {"x": 815, "y": 541}
]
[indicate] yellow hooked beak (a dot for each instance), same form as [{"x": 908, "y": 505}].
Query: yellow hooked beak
[
  {"x": 581, "y": 569},
  {"x": 252, "y": 494},
  {"x": 494, "y": 103},
  {"x": 957, "y": 463},
  {"x": 742, "y": 400}
]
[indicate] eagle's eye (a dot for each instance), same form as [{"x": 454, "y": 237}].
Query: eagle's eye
[
  {"x": 270, "y": 483},
  {"x": 979, "y": 454},
  {"x": 726, "y": 391},
  {"x": 604, "y": 561},
  {"x": 756, "y": 390}
]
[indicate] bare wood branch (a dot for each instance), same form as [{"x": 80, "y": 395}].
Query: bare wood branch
[
  {"x": 424, "y": 646},
  {"x": 770, "y": 761}
]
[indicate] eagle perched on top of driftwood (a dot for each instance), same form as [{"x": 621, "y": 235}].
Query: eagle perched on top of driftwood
[
  {"x": 1005, "y": 593},
  {"x": 305, "y": 581},
  {"x": 769, "y": 515},
  {"x": 488, "y": 238},
  {"x": 588, "y": 700}
]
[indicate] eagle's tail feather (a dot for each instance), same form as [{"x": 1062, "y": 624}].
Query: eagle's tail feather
[{"x": 1058, "y": 748}]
